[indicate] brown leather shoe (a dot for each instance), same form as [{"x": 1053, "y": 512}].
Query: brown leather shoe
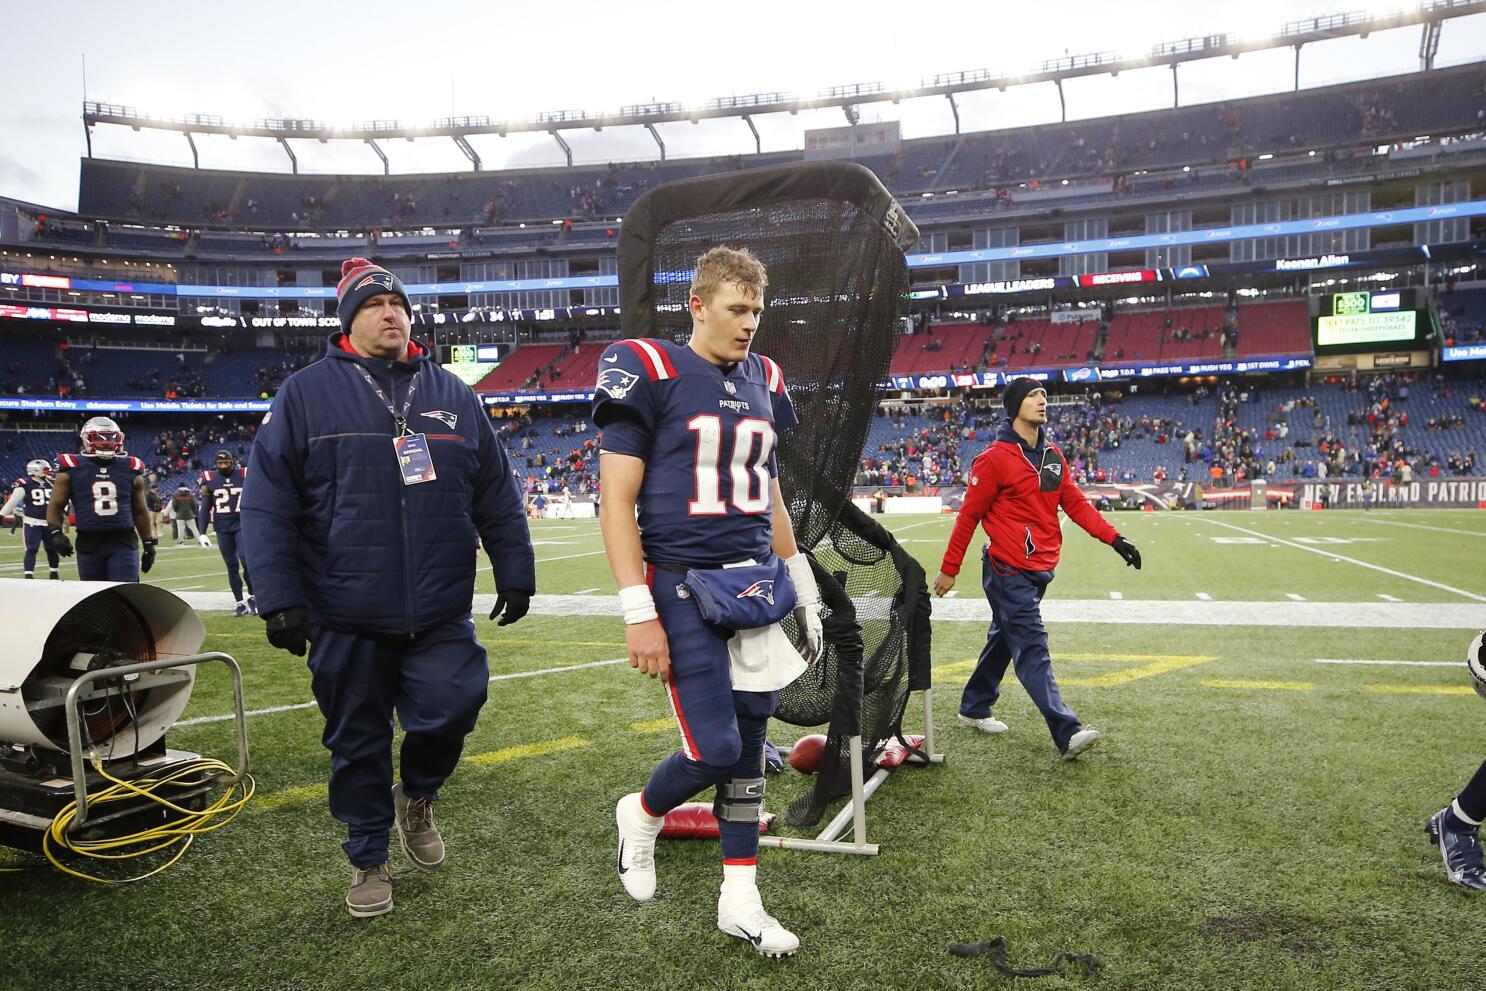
[
  {"x": 416, "y": 832},
  {"x": 371, "y": 891}
]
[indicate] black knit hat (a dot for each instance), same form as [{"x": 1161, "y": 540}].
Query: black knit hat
[
  {"x": 1017, "y": 390},
  {"x": 362, "y": 279}
]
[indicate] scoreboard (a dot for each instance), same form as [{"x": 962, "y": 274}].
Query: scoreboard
[
  {"x": 1352, "y": 322},
  {"x": 471, "y": 362}
]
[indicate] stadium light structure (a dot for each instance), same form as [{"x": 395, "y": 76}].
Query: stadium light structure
[{"x": 1294, "y": 34}]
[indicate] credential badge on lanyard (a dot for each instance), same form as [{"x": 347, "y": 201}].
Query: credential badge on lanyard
[{"x": 414, "y": 459}]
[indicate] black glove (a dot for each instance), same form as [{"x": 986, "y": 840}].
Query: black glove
[
  {"x": 147, "y": 556},
  {"x": 289, "y": 629},
  {"x": 515, "y": 602},
  {"x": 1126, "y": 550},
  {"x": 59, "y": 540}
]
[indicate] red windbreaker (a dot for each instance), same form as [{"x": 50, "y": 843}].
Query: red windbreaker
[{"x": 1006, "y": 497}]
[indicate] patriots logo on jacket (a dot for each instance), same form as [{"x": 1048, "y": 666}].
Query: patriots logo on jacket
[
  {"x": 615, "y": 382},
  {"x": 443, "y": 416},
  {"x": 382, "y": 279},
  {"x": 764, "y": 589}
]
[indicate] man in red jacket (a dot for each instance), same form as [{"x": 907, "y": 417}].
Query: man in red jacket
[{"x": 1015, "y": 489}]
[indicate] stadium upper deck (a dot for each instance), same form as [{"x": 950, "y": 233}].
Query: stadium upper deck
[{"x": 1101, "y": 158}]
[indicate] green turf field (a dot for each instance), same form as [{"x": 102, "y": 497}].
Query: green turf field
[{"x": 1254, "y": 819}]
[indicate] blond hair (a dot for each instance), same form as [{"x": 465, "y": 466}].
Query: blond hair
[{"x": 723, "y": 265}]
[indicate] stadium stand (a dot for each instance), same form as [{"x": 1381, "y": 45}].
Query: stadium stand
[
  {"x": 522, "y": 369},
  {"x": 1374, "y": 112}
]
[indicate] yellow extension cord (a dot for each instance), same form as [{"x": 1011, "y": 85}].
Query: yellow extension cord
[{"x": 177, "y": 833}]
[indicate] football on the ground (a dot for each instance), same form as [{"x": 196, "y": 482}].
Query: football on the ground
[
  {"x": 804, "y": 756},
  {"x": 1475, "y": 663}
]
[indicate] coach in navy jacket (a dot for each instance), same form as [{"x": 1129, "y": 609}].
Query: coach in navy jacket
[{"x": 366, "y": 551}]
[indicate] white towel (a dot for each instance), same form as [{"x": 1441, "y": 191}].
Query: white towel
[{"x": 763, "y": 659}]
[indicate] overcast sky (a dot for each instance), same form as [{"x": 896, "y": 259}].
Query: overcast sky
[{"x": 415, "y": 61}]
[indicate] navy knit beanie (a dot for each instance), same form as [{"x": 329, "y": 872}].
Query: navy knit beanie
[{"x": 361, "y": 279}]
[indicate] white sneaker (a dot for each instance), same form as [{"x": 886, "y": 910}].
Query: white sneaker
[
  {"x": 637, "y": 833},
  {"x": 1084, "y": 739},
  {"x": 744, "y": 916},
  {"x": 986, "y": 724}
]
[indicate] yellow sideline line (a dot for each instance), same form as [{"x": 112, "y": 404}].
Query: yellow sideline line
[
  {"x": 537, "y": 749},
  {"x": 1161, "y": 665},
  {"x": 1265, "y": 686},
  {"x": 1423, "y": 689},
  {"x": 289, "y": 796},
  {"x": 955, "y": 667},
  {"x": 653, "y": 725}
]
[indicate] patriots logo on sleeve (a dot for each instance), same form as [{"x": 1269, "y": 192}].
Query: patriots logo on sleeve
[
  {"x": 615, "y": 383},
  {"x": 764, "y": 589}
]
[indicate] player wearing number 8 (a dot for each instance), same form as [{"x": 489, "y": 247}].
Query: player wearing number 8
[{"x": 107, "y": 490}]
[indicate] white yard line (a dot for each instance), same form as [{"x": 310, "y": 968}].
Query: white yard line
[
  {"x": 1436, "y": 529},
  {"x": 1389, "y": 598},
  {"x": 913, "y": 526},
  {"x": 499, "y": 677},
  {"x": 1351, "y": 560},
  {"x": 1204, "y": 596},
  {"x": 564, "y": 557},
  {"x": 1294, "y": 597},
  {"x": 1412, "y": 664},
  {"x": 181, "y": 578},
  {"x": 1117, "y": 595},
  {"x": 585, "y": 591}
]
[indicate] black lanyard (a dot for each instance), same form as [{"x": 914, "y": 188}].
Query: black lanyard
[{"x": 400, "y": 420}]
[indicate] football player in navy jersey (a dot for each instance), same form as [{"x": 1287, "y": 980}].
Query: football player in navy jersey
[
  {"x": 107, "y": 490},
  {"x": 34, "y": 493},
  {"x": 221, "y": 492},
  {"x": 690, "y": 482}
]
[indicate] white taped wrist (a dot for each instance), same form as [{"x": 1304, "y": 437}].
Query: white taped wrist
[
  {"x": 638, "y": 604},
  {"x": 807, "y": 593}
]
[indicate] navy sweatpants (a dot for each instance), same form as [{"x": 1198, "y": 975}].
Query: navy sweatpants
[
  {"x": 435, "y": 683},
  {"x": 231, "y": 549},
  {"x": 722, "y": 731},
  {"x": 1017, "y": 634},
  {"x": 36, "y": 539}
]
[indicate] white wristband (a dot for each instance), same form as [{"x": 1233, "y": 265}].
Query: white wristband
[
  {"x": 807, "y": 593},
  {"x": 637, "y": 603}
]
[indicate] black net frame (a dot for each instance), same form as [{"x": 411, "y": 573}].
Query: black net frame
[{"x": 833, "y": 240}]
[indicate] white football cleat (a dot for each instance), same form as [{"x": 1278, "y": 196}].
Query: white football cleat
[
  {"x": 1084, "y": 739},
  {"x": 743, "y": 916},
  {"x": 637, "y": 833},
  {"x": 986, "y": 723}
]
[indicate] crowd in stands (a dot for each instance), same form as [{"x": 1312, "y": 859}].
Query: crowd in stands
[
  {"x": 549, "y": 450},
  {"x": 1120, "y": 153}
]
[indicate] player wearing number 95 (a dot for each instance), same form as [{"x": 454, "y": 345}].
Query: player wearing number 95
[
  {"x": 107, "y": 490},
  {"x": 689, "y": 436}
]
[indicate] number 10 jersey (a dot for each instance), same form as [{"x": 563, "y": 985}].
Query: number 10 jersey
[{"x": 708, "y": 437}]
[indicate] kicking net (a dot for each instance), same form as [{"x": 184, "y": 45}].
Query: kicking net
[{"x": 833, "y": 241}]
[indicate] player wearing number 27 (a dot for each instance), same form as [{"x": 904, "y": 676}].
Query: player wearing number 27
[
  {"x": 221, "y": 496},
  {"x": 690, "y": 485},
  {"x": 107, "y": 490}
]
